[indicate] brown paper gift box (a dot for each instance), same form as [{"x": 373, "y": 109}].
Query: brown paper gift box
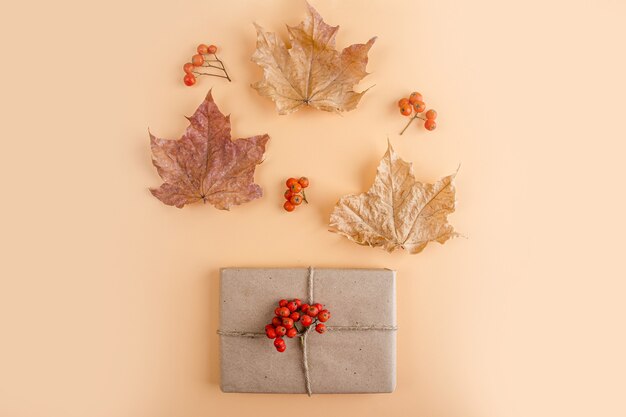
[{"x": 356, "y": 355}]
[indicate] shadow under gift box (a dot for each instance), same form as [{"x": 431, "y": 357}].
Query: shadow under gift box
[{"x": 360, "y": 360}]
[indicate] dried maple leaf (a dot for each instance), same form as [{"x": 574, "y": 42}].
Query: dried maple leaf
[
  {"x": 311, "y": 71},
  {"x": 205, "y": 164},
  {"x": 397, "y": 211}
]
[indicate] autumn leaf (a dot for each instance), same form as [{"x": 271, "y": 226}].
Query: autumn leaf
[
  {"x": 205, "y": 164},
  {"x": 310, "y": 72},
  {"x": 397, "y": 211}
]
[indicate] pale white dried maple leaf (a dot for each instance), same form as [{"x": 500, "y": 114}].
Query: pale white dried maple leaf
[
  {"x": 310, "y": 71},
  {"x": 397, "y": 211}
]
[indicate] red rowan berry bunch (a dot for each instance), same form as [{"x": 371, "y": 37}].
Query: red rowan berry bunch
[
  {"x": 415, "y": 104},
  {"x": 295, "y": 193},
  {"x": 203, "y": 63},
  {"x": 293, "y": 318}
]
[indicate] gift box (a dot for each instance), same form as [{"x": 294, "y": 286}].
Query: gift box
[{"x": 357, "y": 354}]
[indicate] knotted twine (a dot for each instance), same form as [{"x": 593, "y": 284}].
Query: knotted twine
[{"x": 303, "y": 336}]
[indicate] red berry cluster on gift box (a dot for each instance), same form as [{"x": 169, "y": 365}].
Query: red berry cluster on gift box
[
  {"x": 293, "y": 318},
  {"x": 415, "y": 104},
  {"x": 205, "y": 62},
  {"x": 295, "y": 193}
]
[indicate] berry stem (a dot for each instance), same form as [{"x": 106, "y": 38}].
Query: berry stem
[
  {"x": 302, "y": 330},
  {"x": 212, "y": 66},
  {"x": 211, "y": 75},
  {"x": 222, "y": 68},
  {"x": 416, "y": 116},
  {"x": 304, "y": 196}
]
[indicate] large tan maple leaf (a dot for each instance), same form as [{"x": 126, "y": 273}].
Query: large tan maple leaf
[
  {"x": 205, "y": 164},
  {"x": 397, "y": 211},
  {"x": 310, "y": 72}
]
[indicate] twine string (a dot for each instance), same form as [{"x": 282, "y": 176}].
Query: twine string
[
  {"x": 304, "y": 336},
  {"x": 310, "y": 284},
  {"x": 342, "y": 328},
  {"x": 254, "y": 335},
  {"x": 328, "y": 328},
  {"x": 305, "y": 360},
  {"x": 240, "y": 334}
]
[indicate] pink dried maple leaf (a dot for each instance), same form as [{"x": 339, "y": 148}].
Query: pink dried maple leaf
[{"x": 205, "y": 164}]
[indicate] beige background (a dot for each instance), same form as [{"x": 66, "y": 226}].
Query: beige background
[{"x": 108, "y": 298}]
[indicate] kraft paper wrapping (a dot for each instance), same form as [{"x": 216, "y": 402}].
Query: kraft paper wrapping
[{"x": 351, "y": 361}]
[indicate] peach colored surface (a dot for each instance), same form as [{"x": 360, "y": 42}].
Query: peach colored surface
[{"x": 108, "y": 298}]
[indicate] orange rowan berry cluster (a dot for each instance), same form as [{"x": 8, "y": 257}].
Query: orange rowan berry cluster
[
  {"x": 293, "y": 318},
  {"x": 203, "y": 63},
  {"x": 295, "y": 193},
  {"x": 415, "y": 103}
]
